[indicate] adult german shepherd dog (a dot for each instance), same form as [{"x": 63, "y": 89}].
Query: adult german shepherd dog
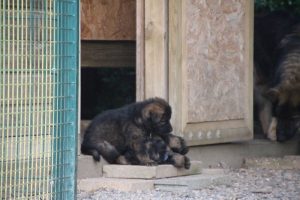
[{"x": 277, "y": 74}]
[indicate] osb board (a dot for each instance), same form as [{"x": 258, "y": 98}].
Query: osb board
[
  {"x": 216, "y": 64},
  {"x": 108, "y": 19}
]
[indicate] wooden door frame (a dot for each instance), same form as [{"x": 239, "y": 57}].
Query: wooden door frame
[
  {"x": 152, "y": 41},
  {"x": 172, "y": 40}
]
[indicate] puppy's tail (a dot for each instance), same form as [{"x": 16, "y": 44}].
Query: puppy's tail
[
  {"x": 103, "y": 148},
  {"x": 88, "y": 149}
]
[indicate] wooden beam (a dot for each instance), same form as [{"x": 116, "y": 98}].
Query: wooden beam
[
  {"x": 140, "y": 50},
  {"x": 108, "y": 54},
  {"x": 156, "y": 48}
]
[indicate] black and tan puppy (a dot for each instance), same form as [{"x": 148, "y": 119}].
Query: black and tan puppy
[
  {"x": 116, "y": 132},
  {"x": 159, "y": 152}
]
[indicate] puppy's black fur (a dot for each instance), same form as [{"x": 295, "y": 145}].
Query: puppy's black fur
[{"x": 121, "y": 135}]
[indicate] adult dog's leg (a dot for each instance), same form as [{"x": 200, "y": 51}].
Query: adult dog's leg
[{"x": 266, "y": 120}]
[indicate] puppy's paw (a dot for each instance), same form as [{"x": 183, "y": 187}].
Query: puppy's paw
[
  {"x": 187, "y": 162},
  {"x": 152, "y": 163},
  {"x": 180, "y": 161}
]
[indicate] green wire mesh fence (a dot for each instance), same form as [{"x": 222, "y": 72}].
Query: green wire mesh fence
[{"x": 38, "y": 98}]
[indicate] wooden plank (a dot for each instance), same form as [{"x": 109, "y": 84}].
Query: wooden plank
[
  {"x": 156, "y": 60},
  {"x": 249, "y": 35},
  {"x": 140, "y": 50},
  {"x": 108, "y": 19},
  {"x": 176, "y": 96},
  {"x": 108, "y": 54}
]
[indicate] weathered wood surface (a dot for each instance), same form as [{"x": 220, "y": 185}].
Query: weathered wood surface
[
  {"x": 108, "y": 54},
  {"x": 140, "y": 50},
  {"x": 108, "y": 19},
  {"x": 156, "y": 48},
  {"x": 210, "y": 70},
  {"x": 208, "y": 63}
]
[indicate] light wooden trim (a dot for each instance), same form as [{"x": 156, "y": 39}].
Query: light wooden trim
[
  {"x": 176, "y": 95},
  {"x": 214, "y": 136},
  {"x": 156, "y": 40},
  {"x": 249, "y": 43},
  {"x": 140, "y": 50}
]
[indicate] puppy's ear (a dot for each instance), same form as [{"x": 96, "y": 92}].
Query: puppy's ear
[{"x": 151, "y": 111}]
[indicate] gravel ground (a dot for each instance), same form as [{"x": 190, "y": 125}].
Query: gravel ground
[{"x": 246, "y": 184}]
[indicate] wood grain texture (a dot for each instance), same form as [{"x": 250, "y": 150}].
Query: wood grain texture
[
  {"x": 176, "y": 80},
  {"x": 107, "y": 54},
  {"x": 210, "y": 73},
  {"x": 108, "y": 19},
  {"x": 140, "y": 50},
  {"x": 215, "y": 59},
  {"x": 156, "y": 59}
]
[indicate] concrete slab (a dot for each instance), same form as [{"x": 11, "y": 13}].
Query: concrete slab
[
  {"x": 88, "y": 168},
  {"x": 191, "y": 182},
  {"x": 286, "y": 162},
  {"x": 232, "y": 154},
  {"x": 149, "y": 172},
  {"x": 128, "y": 185}
]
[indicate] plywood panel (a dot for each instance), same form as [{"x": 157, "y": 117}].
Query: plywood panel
[
  {"x": 210, "y": 70},
  {"x": 108, "y": 19},
  {"x": 215, "y": 59}
]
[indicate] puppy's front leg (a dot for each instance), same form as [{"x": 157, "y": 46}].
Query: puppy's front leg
[
  {"x": 176, "y": 143},
  {"x": 142, "y": 149}
]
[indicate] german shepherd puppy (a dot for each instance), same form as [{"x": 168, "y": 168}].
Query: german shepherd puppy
[
  {"x": 276, "y": 74},
  {"x": 123, "y": 135},
  {"x": 159, "y": 152}
]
